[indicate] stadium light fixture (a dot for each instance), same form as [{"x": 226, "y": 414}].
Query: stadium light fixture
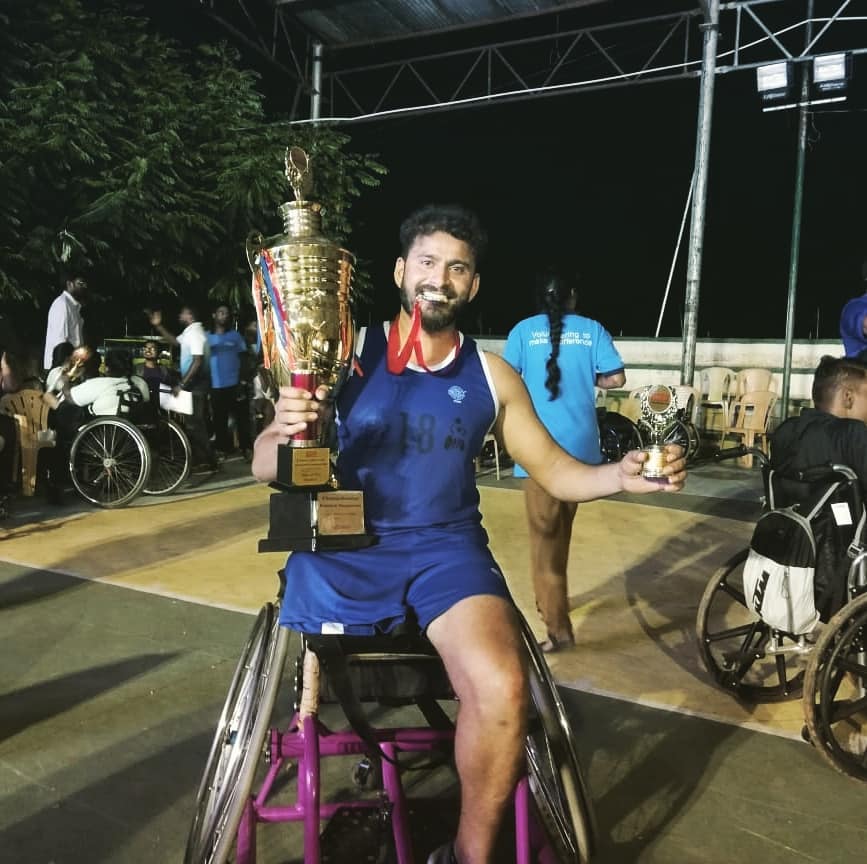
[
  {"x": 775, "y": 83},
  {"x": 830, "y": 78}
]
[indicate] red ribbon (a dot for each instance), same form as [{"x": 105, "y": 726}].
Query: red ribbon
[{"x": 398, "y": 356}]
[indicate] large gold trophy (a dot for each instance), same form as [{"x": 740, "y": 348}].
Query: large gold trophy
[{"x": 301, "y": 285}]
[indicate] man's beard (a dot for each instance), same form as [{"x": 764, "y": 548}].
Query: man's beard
[{"x": 435, "y": 317}]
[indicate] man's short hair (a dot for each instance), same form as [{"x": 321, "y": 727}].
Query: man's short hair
[
  {"x": 453, "y": 219},
  {"x": 832, "y": 373},
  {"x": 118, "y": 363}
]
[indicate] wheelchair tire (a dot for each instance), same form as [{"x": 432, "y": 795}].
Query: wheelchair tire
[
  {"x": 617, "y": 435},
  {"x": 733, "y": 640},
  {"x": 680, "y": 432},
  {"x": 237, "y": 748},
  {"x": 835, "y": 691},
  {"x": 109, "y": 461},
  {"x": 556, "y": 783},
  {"x": 171, "y": 456}
]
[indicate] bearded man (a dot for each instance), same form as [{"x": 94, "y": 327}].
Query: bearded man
[{"x": 410, "y": 421}]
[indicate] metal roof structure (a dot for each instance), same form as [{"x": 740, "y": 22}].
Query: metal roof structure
[
  {"x": 358, "y": 23},
  {"x": 357, "y": 60}
]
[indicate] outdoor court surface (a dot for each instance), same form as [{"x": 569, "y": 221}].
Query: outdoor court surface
[{"x": 122, "y": 630}]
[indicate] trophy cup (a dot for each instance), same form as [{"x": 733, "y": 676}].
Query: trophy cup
[
  {"x": 301, "y": 285},
  {"x": 658, "y": 420}
]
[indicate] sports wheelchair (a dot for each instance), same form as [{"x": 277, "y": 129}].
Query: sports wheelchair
[
  {"x": 553, "y": 815},
  {"x": 826, "y": 666},
  {"x": 113, "y": 459}
]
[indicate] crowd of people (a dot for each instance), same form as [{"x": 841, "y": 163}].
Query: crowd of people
[{"x": 218, "y": 366}]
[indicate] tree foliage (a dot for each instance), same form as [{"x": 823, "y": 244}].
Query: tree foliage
[{"x": 143, "y": 163}]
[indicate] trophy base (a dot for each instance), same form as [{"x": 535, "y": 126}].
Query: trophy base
[
  {"x": 315, "y": 521},
  {"x": 653, "y": 467}
]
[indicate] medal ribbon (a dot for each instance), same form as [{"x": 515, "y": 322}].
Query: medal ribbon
[{"x": 398, "y": 356}]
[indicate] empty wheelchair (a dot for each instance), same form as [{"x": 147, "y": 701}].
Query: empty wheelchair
[
  {"x": 553, "y": 817},
  {"x": 617, "y": 435},
  {"x": 115, "y": 458},
  {"x": 825, "y": 660}
]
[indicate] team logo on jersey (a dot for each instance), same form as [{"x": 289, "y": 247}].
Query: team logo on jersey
[{"x": 458, "y": 394}]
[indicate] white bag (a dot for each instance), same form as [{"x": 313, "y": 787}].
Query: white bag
[{"x": 780, "y": 570}]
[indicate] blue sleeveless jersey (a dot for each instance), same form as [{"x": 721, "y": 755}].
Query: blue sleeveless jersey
[{"x": 416, "y": 468}]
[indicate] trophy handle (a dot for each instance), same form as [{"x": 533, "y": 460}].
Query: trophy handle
[{"x": 255, "y": 241}]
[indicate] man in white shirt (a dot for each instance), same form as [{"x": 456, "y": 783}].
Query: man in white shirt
[
  {"x": 65, "y": 323},
  {"x": 195, "y": 377}
]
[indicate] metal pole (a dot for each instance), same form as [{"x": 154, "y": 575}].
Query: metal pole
[
  {"x": 795, "y": 251},
  {"x": 699, "y": 197},
  {"x": 316, "y": 89}
]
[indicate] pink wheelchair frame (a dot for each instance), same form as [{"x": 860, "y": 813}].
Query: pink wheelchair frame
[{"x": 553, "y": 814}]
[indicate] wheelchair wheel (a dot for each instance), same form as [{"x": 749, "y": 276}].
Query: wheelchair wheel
[
  {"x": 109, "y": 461},
  {"x": 617, "y": 435},
  {"x": 740, "y": 651},
  {"x": 171, "y": 456},
  {"x": 835, "y": 691},
  {"x": 557, "y": 786},
  {"x": 237, "y": 747}
]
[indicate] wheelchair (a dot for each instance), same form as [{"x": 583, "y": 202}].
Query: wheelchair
[
  {"x": 553, "y": 815},
  {"x": 826, "y": 667},
  {"x": 113, "y": 459},
  {"x": 617, "y": 435}
]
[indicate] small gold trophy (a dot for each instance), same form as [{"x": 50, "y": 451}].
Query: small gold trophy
[
  {"x": 657, "y": 421},
  {"x": 301, "y": 287}
]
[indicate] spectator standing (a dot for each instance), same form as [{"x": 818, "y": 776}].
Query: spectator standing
[
  {"x": 65, "y": 322},
  {"x": 561, "y": 356},
  {"x": 228, "y": 351},
  {"x": 194, "y": 364},
  {"x": 853, "y": 322}
]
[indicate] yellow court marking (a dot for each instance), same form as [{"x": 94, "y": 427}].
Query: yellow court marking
[{"x": 636, "y": 575}]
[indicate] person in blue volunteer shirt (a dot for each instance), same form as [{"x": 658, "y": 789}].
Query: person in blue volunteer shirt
[
  {"x": 228, "y": 350},
  {"x": 562, "y": 357}
]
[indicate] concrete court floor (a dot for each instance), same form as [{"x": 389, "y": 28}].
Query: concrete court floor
[{"x": 122, "y": 630}]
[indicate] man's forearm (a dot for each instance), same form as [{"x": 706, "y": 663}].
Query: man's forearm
[{"x": 166, "y": 334}]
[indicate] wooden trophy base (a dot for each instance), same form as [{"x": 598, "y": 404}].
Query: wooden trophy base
[{"x": 307, "y": 513}]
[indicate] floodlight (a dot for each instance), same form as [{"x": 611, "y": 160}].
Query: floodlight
[
  {"x": 830, "y": 73},
  {"x": 774, "y": 76},
  {"x": 775, "y": 83}
]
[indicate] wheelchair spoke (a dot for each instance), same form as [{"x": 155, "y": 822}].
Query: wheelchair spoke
[
  {"x": 731, "y": 633},
  {"x": 734, "y": 593}
]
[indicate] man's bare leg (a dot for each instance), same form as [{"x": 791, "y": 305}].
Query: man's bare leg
[{"x": 480, "y": 644}]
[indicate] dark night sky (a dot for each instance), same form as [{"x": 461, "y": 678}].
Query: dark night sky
[{"x": 599, "y": 181}]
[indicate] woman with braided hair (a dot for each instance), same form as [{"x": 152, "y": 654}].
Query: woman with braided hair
[{"x": 562, "y": 357}]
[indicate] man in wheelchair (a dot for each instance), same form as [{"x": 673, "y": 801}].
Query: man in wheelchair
[
  {"x": 834, "y": 432},
  {"x": 108, "y": 394},
  {"x": 410, "y": 421}
]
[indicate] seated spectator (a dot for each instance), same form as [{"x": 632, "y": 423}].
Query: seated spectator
[
  {"x": 60, "y": 363},
  {"x": 153, "y": 372},
  {"x": 18, "y": 371},
  {"x": 97, "y": 395},
  {"x": 835, "y": 431}
]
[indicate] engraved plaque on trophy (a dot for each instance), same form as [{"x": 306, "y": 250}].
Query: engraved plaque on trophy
[
  {"x": 301, "y": 287},
  {"x": 658, "y": 418}
]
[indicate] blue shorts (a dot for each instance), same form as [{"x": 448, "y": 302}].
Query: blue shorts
[{"x": 368, "y": 591}]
